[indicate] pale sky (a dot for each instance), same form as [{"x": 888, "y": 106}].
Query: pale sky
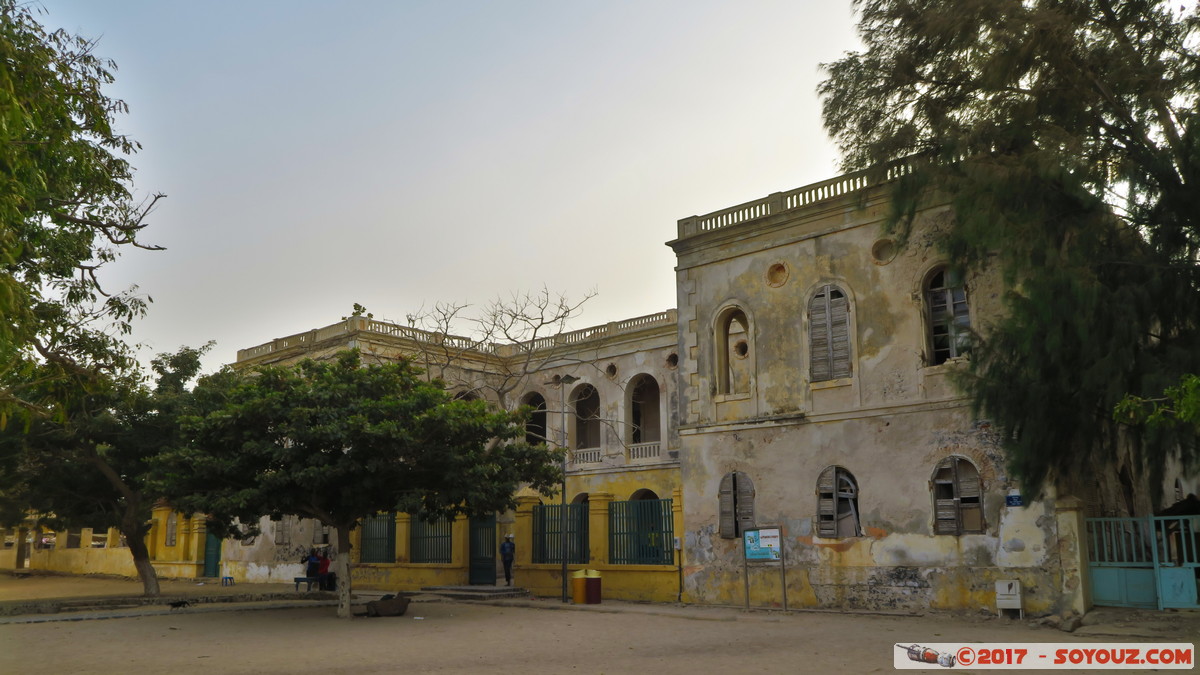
[{"x": 394, "y": 154}]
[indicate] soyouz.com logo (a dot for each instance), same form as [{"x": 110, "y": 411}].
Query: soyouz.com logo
[{"x": 1045, "y": 656}]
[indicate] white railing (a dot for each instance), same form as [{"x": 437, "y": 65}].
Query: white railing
[
  {"x": 585, "y": 456},
  {"x": 459, "y": 343},
  {"x": 780, "y": 202},
  {"x": 645, "y": 450},
  {"x": 667, "y": 318}
]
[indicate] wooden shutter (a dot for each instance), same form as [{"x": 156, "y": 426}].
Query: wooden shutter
[
  {"x": 727, "y": 523},
  {"x": 970, "y": 496},
  {"x": 957, "y": 497},
  {"x": 820, "y": 363},
  {"x": 744, "y": 502},
  {"x": 829, "y": 335},
  {"x": 826, "y": 504},
  {"x": 839, "y": 333}
]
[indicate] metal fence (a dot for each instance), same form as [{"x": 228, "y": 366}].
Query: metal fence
[
  {"x": 430, "y": 541},
  {"x": 378, "y": 539},
  {"x": 641, "y": 532},
  {"x": 548, "y": 542}
]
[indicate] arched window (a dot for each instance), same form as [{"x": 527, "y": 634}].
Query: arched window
[
  {"x": 949, "y": 317},
  {"x": 735, "y": 503},
  {"x": 586, "y": 401},
  {"x": 733, "y": 351},
  {"x": 837, "y": 504},
  {"x": 644, "y": 423},
  {"x": 535, "y": 427},
  {"x": 829, "y": 334},
  {"x": 957, "y": 497}
]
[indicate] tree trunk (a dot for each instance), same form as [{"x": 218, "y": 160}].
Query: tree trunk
[
  {"x": 135, "y": 537},
  {"x": 342, "y": 569}
]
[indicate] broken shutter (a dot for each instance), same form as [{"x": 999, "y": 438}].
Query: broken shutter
[
  {"x": 826, "y": 503},
  {"x": 728, "y": 522},
  {"x": 829, "y": 330},
  {"x": 957, "y": 497}
]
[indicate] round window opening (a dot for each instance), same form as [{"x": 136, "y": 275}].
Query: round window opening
[
  {"x": 777, "y": 275},
  {"x": 673, "y": 361},
  {"x": 741, "y": 349},
  {"x": 611, "y": 370},
  {"x": 883, "y": 251}
]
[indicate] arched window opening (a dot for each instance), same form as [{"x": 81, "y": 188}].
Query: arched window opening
[
  {"x": 837, "y": 504},
  {"x": 644, "y": 416},
  {"x": 586, "y": 401},
  {"x": 735, "y": 503},
  {"x": 642, "y": 495},
  {"x": 535, "y": 427},
  {"x": 733, "y": 351},
  {"x": 949, "y": 316},
  {"x": 829, "y": 335},
  {"x": 957, "y": 497}
]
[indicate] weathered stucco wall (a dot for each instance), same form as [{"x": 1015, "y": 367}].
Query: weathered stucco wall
[{"x": 889, "y": 423}]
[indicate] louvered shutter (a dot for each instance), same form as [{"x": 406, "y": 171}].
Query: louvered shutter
[
  {"x": 839, "y": 333},
  {"x": 727, "y": 524},
  {"x": 829, "y": 330},
  {"x": 745, "y": 502},
  {"x": 818, "y": 328},
  {"x": 957, "y": 498},
  {"x": 970, "y": 512},
  {"x": 826, "y": 504}
]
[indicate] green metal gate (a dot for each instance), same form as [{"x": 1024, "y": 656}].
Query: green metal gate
[
  {"x": 1151, "y": 562},
  {"x": 482, "y": 550},
  {"x": 641, "y": 532},
  {"x": 212, "y": 555},
  {"x": 378, "y": 540},
  {"x": 549, "y": 542}
]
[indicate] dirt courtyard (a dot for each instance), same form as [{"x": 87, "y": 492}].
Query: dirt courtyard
[{"x": 446, "y": 637}]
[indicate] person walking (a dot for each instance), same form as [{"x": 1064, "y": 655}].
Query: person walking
[{"x": 508, "y": 551}]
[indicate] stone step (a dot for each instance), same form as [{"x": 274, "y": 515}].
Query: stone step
[{"x": 477, "y": 592}]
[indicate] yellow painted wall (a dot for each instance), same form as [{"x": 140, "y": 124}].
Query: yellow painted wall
[{"x": 182, "y": 560}]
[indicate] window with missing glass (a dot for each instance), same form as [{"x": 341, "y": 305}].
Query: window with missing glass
[
  {"x": 948, "y": 316},
  {"x": 837, "y": 504},
  {"x": 957, "y": 497}
]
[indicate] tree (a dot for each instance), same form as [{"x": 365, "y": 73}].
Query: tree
[
  {"x": 66, "y": 208},
  {"x": 339, "y": 441},
  {"x": 1064, "y": 135},
  {"x": 505, "y": 342},
  {"x": 93, "y": 464}
]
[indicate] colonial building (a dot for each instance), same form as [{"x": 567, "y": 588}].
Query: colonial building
[{"x": 803, "y": 387}]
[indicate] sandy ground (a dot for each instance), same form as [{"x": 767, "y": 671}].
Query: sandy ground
[{"x": 446, "y": 637}]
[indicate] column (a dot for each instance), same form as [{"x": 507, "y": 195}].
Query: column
[
  {"x": 598, "y": 526},
  {"x": 1072, "y": 552}
]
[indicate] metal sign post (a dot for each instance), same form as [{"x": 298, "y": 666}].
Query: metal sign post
[{"x": 763, "y": 544}]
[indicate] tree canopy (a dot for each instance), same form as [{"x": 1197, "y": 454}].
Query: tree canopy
[
  {"x": 1064, "y": 134},
  {"x": 340, "y": 440},
  {"x": 66, "y": 208},
  {"x": 94, "y": 463}
]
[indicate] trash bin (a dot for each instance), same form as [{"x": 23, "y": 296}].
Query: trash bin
[
  {"x": 593, "y": 587},
  {"x": 579, "y": 587}
]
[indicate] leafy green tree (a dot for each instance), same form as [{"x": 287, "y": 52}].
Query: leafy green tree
[
  {"x": 338, "y": 441},
  {"x": 66, "y": 208},
  {"x": 93, "y": 464},
  {"x": 1064, "y": 135}
]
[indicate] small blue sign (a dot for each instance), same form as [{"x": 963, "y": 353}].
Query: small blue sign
[
  {"x": 1013, "y": 498},
  {"x": 762, "y": 544}
]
